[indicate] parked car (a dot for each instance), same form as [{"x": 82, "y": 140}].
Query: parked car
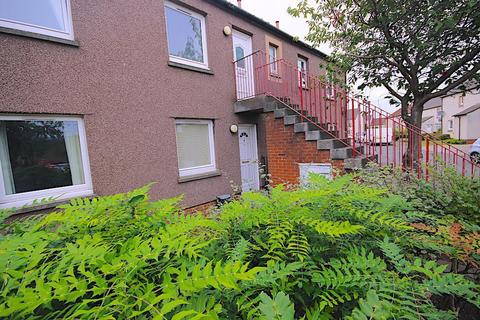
[{"x": 475, "y": 151}]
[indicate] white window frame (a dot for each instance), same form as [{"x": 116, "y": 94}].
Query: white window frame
[
  {"x": 26, "y": 198},
  {"x": 203, "y": 26},
  {"x": 273, "y": 59},
  {"x": 303, "y": 81},
  {"x": 461, "y": 101},
  {"x": 63, "y": 34},
  {"x": 185, "y": 172}
]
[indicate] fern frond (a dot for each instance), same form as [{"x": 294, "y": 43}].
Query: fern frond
[
  {"x": 227, "y": 275},
  {"x": 357, "y": 269},
  {"x": 240, "y": 251},
  {"x": 278, "y": 234},
  {"x": 298, "y": 245},
  {"x": 330, "y": 228}
]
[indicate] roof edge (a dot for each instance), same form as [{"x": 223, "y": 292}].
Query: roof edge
[
  {"x": 232, "y": 8},
  {"x": 468, "y": 110}
]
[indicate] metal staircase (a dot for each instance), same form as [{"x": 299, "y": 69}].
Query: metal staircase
[{"x": 349, "y": 126}]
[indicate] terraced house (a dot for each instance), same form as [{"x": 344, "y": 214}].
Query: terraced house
[{"x": 99, "y": 97}]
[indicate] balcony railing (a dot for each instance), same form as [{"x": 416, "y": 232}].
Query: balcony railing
[{"x": 370, "y": 131}]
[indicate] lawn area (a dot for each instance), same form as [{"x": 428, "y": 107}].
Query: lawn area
[{"x": 377, "y": 245}]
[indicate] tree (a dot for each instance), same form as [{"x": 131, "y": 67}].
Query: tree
[{"x": 417, "y": 49}]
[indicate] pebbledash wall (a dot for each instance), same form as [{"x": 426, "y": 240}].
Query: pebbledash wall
[{"x": 119, "y": 80}]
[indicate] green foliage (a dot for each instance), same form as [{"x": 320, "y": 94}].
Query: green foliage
[
  {"x": 335, "y": 249},
  {"x": 455, "y": 141},
  {"x": 417, "y": 50},
  {"x": 444, "y": 136},
  {"x": 446, "y": 193},
  {"x": 279, "y": 308}
]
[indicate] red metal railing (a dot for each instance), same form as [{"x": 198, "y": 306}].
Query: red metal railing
[{"x": 369, "y": 130}]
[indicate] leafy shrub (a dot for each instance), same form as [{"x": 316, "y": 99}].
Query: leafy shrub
[
  {"x": 454, "y": 141},
  {"x": 444, "y": 136},
  {"x": 337, "y": 249},
  {"x": 445, "y": 193}
]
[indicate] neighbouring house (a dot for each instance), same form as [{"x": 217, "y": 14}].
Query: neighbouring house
[
  {"x": 461, "y": 115},
  {"x": 456, "y": 114},
  {"x": 432, "y": 116},
  {"x": 466, "y": 122},
  {"x": 101, "y": 97}
]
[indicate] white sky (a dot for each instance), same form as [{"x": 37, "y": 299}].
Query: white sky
[{"x": 272, "y": 10}]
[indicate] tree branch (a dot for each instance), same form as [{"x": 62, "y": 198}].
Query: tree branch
[
  {"x": 467, "y": 76},
  {"x": 391, "y": 90},
  {"x": 454, "y": 67}
]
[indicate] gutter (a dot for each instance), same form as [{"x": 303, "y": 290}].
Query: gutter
[{"x": 247, "y": 16}]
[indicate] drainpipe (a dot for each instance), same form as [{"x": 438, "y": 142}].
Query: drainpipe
[{"x": 459, "y": 128}]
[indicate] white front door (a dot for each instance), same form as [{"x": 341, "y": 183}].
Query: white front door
[
  {"x": 247, "y": 135},
  {"x": 242, "y": 47}
]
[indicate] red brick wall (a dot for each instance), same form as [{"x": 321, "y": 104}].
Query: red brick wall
[
  {"x": 286, "y": 149},
  {"x": 204, "y": 207}
]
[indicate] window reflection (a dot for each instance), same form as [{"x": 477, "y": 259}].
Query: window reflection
[
  {"x": 239, "y": 54},
  {"x": 43, "y": 13},
  {"x": 38, "y": 155},
  {"x": 184, "y": 35}
]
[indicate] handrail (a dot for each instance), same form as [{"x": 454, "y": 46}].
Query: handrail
[{"x": 369, "y": 132}]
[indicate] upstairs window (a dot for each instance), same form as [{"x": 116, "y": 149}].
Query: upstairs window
[
  {"x": 461, "y": 100},
  {"x": 302, "y": 70},
  {"x": 42, "y": 157},
  {"x": 186, "y": 36},
  {"x": 195, "y": 148},
  {"x": 47, "y": 17},
  {"x": 273, "y": 55}
]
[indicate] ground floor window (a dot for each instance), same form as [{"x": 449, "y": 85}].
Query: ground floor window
[
  {"x": 450, "y": 125},
  {"x": 195, "y": 146},
  {"x": 42, "y": 157}
]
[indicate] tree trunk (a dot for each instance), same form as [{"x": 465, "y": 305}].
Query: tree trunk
[{"x": 412, "y": 158}]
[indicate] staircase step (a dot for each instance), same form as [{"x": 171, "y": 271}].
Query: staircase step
[
  {"x": 280, "y": 113},
  {"x": 341, "y": 153},
  {"x": 358, "y": 162},
  {"x": 257, "y": 104},
  {"x": 346, "y": 152},
  {"x": 355, "y": 163},
  {"x": 304, "y": 126},
  {"x": 293, "y": 119},
  {"x": 329, "y": 144},
  {"x": 317, "y": 135},
  {"x": 272, "y": 106},
  {"x": 304, "y": 112}
]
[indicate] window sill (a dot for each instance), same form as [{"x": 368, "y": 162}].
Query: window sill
[
  {"x": 191, "y": 68},
  {"x": 195, "y": 177},
  {"x": 40, "y": 208},
  {"x": 39, "y": 36}
]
